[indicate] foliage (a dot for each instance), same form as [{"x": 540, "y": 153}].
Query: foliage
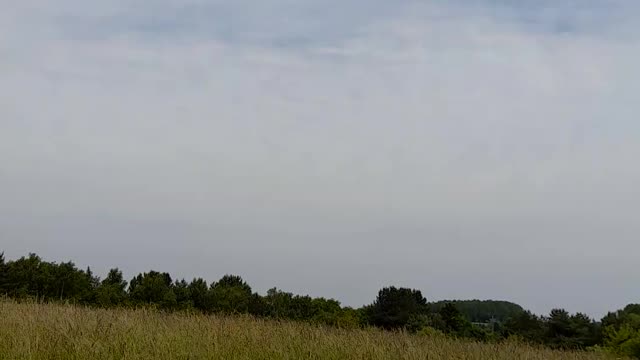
[
  {"x": 199, "y": 293},
  {"x": 3, "y": 275},
  {"x": 31, "y": 277},
  {"x": 482, "y": 311},
  {"x": 230, "y": 295},
  {"x": 394, "y": 308},
  {"x": 153, "y": 288},
  {"x": 46, "y": 331},
  {"x": 623, "y": 336},
  {"x": 524, "y": 325},
  {"x": 452, "y": 318},
  {"x": 570, "y": 331},
  {"x": 112, "y": 290}
]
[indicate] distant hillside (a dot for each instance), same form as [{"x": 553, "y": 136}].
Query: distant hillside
[{"x": 482, "y": 310}]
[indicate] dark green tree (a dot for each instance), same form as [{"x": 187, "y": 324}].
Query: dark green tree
[
  {"x": 325, "y": 311},
  {"x": 153, "y": 288},
  {"x": 183, "y": 295},
  {"x": 92, "y": 282},
  {"x": 584, "y": 331},
  {"x": 66, "y": 282},
  {"x": 258, "y": 306},
  {"x": 620, "y": 332},
  {"x": 559, "y": 330},
  {"x": 618, "y": 318},
  {"x": 3, "y": 275},
  {"x": 278, "y": 304},
  {"x": 112, "y": 290},
  {"x": 200, "y": 297},
  {"x": 231, "y": 295},
  {"x": 482, "y": 311},
  {"x": 453, "y": 320},
  {"x": 26, "y": 277},
  {"x": 526, "y": 325},
  {"x": 395, "y": 307}
]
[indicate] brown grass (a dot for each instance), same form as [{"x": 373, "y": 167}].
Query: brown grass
[{"x": 41, "y": 331}]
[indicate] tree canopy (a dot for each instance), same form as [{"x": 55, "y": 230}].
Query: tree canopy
[{"x": 393, "y": 308}]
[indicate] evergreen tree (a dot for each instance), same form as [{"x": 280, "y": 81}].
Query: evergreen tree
[
  {"x": 454, "y": 321},
  {"x": 112, "y": 290},
  {"x": 153, "y": 288},
  {"x": 231, "y": 294},
  {"x": 395, "y": 307},
  {"x": 525, "y": 325},
  {"x": 200, "y": 297}
]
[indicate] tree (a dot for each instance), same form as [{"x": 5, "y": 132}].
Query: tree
[
  {"x": 233, "y": 281},
  {"x": 301, "y": 308},
  {"x": 25, "y": 277},
  {"x": 349, "y": 318},
  {"x": 395, "y": 307},
  {"x": 199, "y": 292},
  {"x": 112, "y": 290},
  {"x": 278, "y": 304},
  {"x": 3, "y": 275},
  {"x": 91, "y": 285},
  {"x": 325, "y": 311},
  {"x": 584, "y": 331},
  {"x": 231, "y": 294},
  {"x": 482, "y": 311},
  {"x": 65, "y": 281},
  {"x": 624, "y": 341},
  {"x": 568, "y": 332},
  {"x": 258, "y": 305},
  {"x": 453, "y": 320},
  {"x": 153, "y": 288},
  {"x": 618, "y": 318},
  {"x": 183, "y": 295},
  {"x": 621, "y": 331},
  {"x": 525, "y": 325}
]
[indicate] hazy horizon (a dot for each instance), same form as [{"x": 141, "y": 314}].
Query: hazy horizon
[{"x": 470, "y": 149}]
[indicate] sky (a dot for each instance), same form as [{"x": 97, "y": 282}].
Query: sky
[{"x": 470, "y": 149}]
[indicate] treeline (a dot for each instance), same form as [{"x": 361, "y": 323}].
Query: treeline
[
  {"x": 394, "y": 308},
  {"x": 31, "y": 277},
  {"x": 482, "y": 311}
]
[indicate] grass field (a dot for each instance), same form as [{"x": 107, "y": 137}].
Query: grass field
[{"x": 38, "y": 331}]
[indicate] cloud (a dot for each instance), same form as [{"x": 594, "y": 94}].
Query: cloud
[{"x": 356, "y": 142}]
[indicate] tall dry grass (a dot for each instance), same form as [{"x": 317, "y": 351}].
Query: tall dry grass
[{"x": 45, "y": 331}]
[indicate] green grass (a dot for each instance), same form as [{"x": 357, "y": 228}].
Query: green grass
[{"x": 45, "y": 331}]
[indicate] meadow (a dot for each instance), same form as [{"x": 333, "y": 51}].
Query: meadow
[{"x": 54, "y": 331}]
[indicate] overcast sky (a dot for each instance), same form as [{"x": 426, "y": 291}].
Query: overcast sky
[{"x": 471, "y": 149}]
